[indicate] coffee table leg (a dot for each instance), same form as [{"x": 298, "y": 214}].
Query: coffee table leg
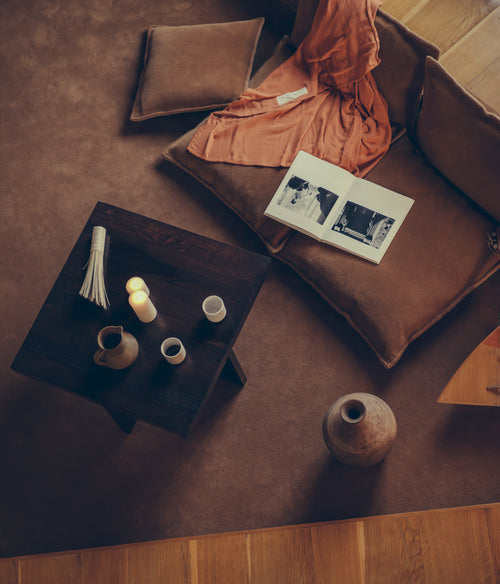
[
  {"x": 126, "y": 422},
  {"x": 233, "y": 371}
]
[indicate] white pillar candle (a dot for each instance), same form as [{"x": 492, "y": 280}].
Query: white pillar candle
[
  {"x": 142, "y": 305},
  {"x": 136, "y": 284}
]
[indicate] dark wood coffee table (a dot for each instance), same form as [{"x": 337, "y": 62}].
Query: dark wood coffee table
[{"x": 181, "y": 269}]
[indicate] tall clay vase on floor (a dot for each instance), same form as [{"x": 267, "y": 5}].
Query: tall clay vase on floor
[{"x": 359, "y": 429}]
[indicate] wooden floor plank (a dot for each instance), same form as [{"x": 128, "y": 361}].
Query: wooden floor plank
[
  {"x": 51, "y": 569},
  {"x": 159, "y": 562},
  {"x": 485, "y": 87},
  {"x": 108, "y": 566},
  {"x": 445, "y": 22},
  {"x": 219, "y": 559},
  {"x": 393, "y": 550},
  {"x": 281, "y": 557},
  {"x": 8, "y": 571},
  {"x": 475, "y": 60},
  {"x": 339, "y": 554},
  {"x": 475, "y": 51},
  {"x": 447, "y": 541},
  {"x": 399, "y": 8},
  {"x": 493, "y": 523}
]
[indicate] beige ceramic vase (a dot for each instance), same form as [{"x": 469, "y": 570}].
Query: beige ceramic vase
[
  {"x": 359, "y": 429},
  {"x": 117, "y": 348}
]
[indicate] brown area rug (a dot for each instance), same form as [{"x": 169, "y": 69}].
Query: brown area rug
[{"x": 70, "y": 477}]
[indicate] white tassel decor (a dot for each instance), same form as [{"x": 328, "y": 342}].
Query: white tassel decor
[{"x": 93, "y": 287}]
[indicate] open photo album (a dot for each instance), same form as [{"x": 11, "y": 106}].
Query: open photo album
[{"x": 330, "y": 204}]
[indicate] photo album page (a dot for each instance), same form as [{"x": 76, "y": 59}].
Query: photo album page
[{"x": 330, "y": 204}]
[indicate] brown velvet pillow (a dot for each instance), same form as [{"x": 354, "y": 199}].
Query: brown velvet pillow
[
  {"x": 460, "y": 138},
  {"x": 195, "y": 67}
]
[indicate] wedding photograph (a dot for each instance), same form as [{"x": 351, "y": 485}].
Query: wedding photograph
[
  {"x": 365, "y": 225},
  {"x": 306, "y": 199}
]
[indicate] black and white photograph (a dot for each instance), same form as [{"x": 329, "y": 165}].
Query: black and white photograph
[
  {"x": 363, "y": 224},
  {"x": 306, "y": 199},
  {"x": 332, "y": 205}
]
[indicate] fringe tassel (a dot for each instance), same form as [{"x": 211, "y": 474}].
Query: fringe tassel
[{"x": 93, "y": 287}]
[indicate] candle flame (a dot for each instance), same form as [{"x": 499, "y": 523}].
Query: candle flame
[{"x": 139, "y": 297}]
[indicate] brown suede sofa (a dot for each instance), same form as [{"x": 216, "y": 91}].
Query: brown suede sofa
[{"x": 444, "y": 154}]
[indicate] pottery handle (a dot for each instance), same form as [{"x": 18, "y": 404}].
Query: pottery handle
[{"x": 98, "y": 357}]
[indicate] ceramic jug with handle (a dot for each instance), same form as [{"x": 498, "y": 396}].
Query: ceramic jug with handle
[{"x": 117, "y": 348}]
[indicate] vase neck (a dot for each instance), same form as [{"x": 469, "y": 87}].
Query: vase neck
[{"x": 353, "y": 411}]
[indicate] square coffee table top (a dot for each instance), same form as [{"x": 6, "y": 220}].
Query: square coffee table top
[{"x": 180, "y": 269}]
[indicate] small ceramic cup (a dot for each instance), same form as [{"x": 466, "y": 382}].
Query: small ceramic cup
[
  {"x": 173, "y": 350},
  {"x": 214, "y": 309}
]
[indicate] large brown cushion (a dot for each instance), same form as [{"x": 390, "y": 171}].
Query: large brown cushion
[
  {"x": 439, "y": 255},
  {"x": 460, "y": 138},
  {"x": 195, "y": 67}
]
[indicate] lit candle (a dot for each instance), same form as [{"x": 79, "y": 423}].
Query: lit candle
[
  {"x": 142, "y": 305},
  {"x": 136, "y": 284}
]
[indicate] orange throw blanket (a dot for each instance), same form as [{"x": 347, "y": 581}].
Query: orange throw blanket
[{"x": 323, "y": 100}]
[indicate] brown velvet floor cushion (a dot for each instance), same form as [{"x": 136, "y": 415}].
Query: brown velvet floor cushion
[
  {"x": 195, "y": 67},
  {"x": 460, "y": 138},
  {"x": 438, "y": 256}
]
